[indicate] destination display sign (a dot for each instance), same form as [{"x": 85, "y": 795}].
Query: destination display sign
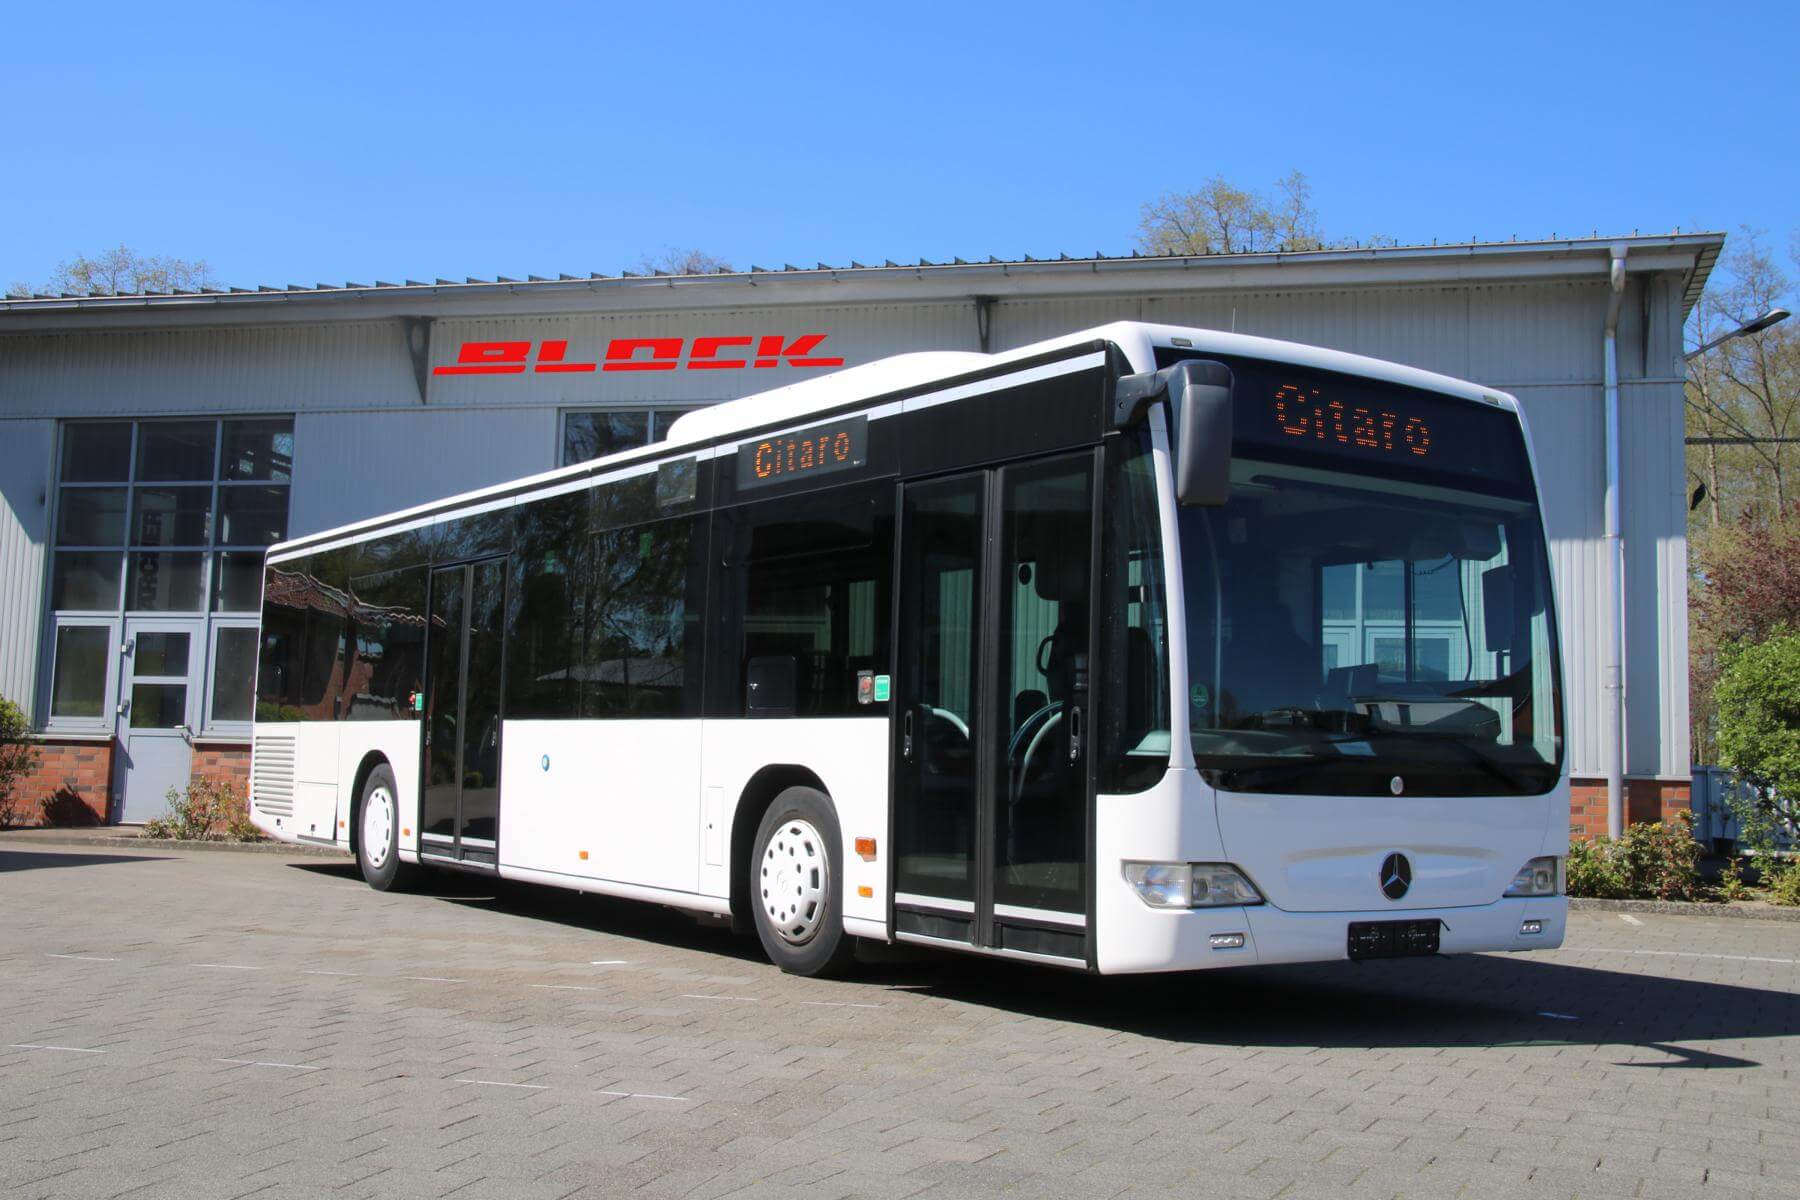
[
  {"x": 1349, "y": 422},
  {"x": 840, "y": 445}
]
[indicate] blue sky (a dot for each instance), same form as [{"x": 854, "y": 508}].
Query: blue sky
[{"x": 324, "y": 142}]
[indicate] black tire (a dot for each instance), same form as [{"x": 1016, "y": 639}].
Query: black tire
[
  {"x": 381, "y": 865},
  {"x": 797, "y": 885}
]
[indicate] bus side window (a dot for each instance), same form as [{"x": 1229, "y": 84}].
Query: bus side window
[
  {"x": 808, "y": 578},
  {"x": 387, "y": 615},
  {"x": 643, "y": 618}
]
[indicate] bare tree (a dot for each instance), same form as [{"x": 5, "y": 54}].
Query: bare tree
[
  {"x": 123, "y": 271},
  {"x": 677, "y": 261},
  {"x": 1222, "y": 218},
  {"x": 1743, "y": 396}
]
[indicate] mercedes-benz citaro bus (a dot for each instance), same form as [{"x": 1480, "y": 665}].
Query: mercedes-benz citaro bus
[{"x": 1140, "y": 649}]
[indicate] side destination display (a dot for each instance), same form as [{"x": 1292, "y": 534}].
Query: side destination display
[{"x": 787, "y": 457}]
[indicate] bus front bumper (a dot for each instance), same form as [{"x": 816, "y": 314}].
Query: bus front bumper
[{"x": 1154, "y": 939}]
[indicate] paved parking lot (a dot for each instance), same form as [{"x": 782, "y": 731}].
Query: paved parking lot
[{"x": 200, "y": 1025}]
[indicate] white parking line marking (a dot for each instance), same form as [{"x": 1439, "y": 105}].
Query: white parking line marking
[
  {"x": 609, "y": 962},
  {"x": 1786, "y": 962},
  {"x": 227, "y": 967},
  {"x": 82, "y": 957},
  {"x": 565, "y": 987},
  {"x": 639, "y": 1095},
  {"x": 251, "y": 1062},
  {"x": 347, "y": 974},
  {"x": 65, "y": 1049},
  {"x": 745, "y": 999},
  {"x": 837, "y": 1004},
  {"x": 535, "y": 1087},
  {"x": 1629, "y": 919},
  {"x": 1559, "y": 1016},
  {"x": 432, "y": 979}
]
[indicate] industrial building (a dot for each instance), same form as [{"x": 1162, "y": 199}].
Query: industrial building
[{"x": 151, "y": 446}]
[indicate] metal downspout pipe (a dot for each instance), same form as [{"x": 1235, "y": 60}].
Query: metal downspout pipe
[{"x": 1614, "y": 678}]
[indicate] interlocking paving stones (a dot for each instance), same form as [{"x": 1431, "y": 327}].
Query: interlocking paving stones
[{"x": 259, "y": 1026}]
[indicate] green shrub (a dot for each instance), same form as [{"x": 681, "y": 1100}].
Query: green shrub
[
  {"x": 1783, "y": 884},
  {"x": 1758, "y": 699},
  {"x": 1591, "y": 872},
  {"x": 17, "y": 757},
  {"x": 211, "y": 810},
  {"x": 1653, "y": 861}
]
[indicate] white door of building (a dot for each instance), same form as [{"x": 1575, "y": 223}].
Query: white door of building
[{"x": 160, "y": 673}]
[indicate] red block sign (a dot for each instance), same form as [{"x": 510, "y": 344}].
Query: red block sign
[{"x": 642, "y": 354}]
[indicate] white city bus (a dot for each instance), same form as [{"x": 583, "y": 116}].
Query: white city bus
[{"x": 1141, "y": 649}]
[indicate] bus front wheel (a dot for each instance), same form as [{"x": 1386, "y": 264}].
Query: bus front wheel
[
  {"x": 378, "y": 833},
  {"x": 796, "y": 885}
]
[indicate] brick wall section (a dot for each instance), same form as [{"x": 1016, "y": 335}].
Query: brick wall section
[
  {"x": 1645, "y": 800},
  {"x": 77, "y": 776},
  {"x": 72, "y": 774},
  {"x": 228, "y": 763}
]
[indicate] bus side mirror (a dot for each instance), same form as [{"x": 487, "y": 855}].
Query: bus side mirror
[{"x": 1199, "y": 396}]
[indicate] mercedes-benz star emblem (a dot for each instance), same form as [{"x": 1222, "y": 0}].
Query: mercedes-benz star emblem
[{"x": 1396, "y": 876}]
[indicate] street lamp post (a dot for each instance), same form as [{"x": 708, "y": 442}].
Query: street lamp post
[{"x": 1774, "y": 316}]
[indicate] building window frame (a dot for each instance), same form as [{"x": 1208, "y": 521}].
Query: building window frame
[
  {"x": 211, "y": 548},
  {"x": 103, "y": 722},
  {"x": 657, "y": 417},
  {"x": 210, "y": 725}
]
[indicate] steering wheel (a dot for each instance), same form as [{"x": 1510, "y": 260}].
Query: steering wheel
[{"x": 944, "y": 715}]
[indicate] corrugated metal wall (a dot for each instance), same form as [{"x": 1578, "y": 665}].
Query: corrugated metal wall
[
  {"x": 26, "y": 448},
  {"x": 382, "y": 461},
  {"x": 1540, "y": 340},
  {"x": 254, "y": 369}
]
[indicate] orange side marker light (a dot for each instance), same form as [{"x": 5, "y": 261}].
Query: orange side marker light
[
  {"x": 583, "y": 854},
  {"x": 864, "y": 890},
  {"x": 865, "y": 847}
]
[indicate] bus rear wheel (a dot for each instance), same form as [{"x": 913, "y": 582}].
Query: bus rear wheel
[
  {"x": 378, "y": 834},
  {"x": 796, "y": 885}
]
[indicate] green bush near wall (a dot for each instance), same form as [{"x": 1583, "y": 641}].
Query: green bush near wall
[{"x": 17, "y": 758}]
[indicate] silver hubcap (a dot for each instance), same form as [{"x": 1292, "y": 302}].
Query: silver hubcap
[
  {"x": 377, "y": 826},
  {"x": 796, "y": 879}
]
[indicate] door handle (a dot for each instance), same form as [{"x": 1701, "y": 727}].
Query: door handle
[
  {"x": 1075, "y": 733},
  {"x": 906, "y": 735}
]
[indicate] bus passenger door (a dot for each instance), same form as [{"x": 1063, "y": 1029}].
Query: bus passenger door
[
  {"x": 459, "y": 808},
  {"x": 992, "y": 784}
]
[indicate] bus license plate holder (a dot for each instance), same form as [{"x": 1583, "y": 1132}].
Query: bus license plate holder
[{"x": 1393, "y": 939}]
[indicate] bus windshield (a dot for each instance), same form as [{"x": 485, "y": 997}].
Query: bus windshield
[{"x": 1363, "y": 631}]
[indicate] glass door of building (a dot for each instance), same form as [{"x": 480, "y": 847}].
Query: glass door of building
[{"x": 158, "y": 707}]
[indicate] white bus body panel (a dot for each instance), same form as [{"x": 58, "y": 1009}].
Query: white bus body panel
[
  {"x": 398, "y": 742},
  {"x": 850, "y": 757},
  {"x": 315, "y": 780},
  {"x": 1322, "y": 853},
  {"x": 624, "y": 793},
  {"x": 1325, "y": 857}
]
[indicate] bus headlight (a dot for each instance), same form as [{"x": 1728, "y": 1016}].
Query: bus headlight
[
  {"x": 1191, "y": 885},
  {"x": 1539, "y": 877}
]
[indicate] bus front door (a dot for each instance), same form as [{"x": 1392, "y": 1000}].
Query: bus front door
[
  {"x": 459, "y": 811},
  {"x": 992, "y": 788}
]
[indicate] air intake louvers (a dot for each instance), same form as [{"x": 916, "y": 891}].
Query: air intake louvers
[{"x": 272, "y": 775}]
